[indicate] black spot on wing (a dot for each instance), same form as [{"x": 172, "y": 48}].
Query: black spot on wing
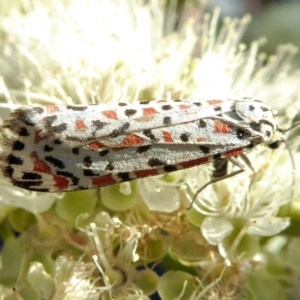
[
  {"x": 166, "y": 107},
  {"x": 167, "y": 121},
  {"x": 29, "y": 185},
  {"x": 251, "y": 107},
  {"x": 55, "y": 162},
  {"x": 13, "y": 160},
  {"x": 49, "y": 124},
  {"x": 87, "y": 161},
  {"x": 155, "y": 162},
  {"x": 109, "y": 167},
  {"x": 170, "y": 168},
  {"x": 44, "y": 190},
  {"x": 98, "y": 124},
  {"x": 75, "y": 151},
  {"x": 124, "y": 176},
  {"x": 18, "y": 146},
  {"x": 148, "y": 133},
  {"x": 143, "y": 149},
  {"x": 23, "y": 132},
  {"x": 8, "y": 171},
  {"x": 31, "y": 176},
  {"x": 202, "y": 124},
  {"x": 130, "y": 112},
  {"x": 217, "y": 108},
  {"x": 185, "y": 137},
  {"x": 76, "y": 108},
  {"x": 48, "y": 148},
  {"x": 103, "y": 152},
  {"x": 204, "y": 149},
  {"x": 57, "y": 142}
]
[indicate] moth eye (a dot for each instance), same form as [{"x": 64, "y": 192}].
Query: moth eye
[
  {"x": 241, "y": 133},
  {"x": 275, "y": 144}
]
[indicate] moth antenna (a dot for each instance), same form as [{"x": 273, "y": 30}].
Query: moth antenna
[
  {"x": 291, "y": 156},
  {"x": 288, "y": 129},
  {"x": 275, "y": 145},
  {"x": 293, "y": 166}
]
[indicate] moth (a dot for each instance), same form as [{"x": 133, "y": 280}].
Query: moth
[{"x": 57, "y": 148}]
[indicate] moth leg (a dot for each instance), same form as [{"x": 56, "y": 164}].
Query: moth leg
[
  {"x": 249, "y": 165},
  {"x": 235, "y": 162},
  {"x": 220, "y": 168}
]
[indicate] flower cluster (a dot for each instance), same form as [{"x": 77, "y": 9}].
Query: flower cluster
[{"x": 137, "y": 239}]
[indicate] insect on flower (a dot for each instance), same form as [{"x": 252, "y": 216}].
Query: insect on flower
[{"x": 59, "y": 148}]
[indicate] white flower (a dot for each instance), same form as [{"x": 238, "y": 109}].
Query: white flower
[
  {"x": 239, "y": 198},
  {"x": 118, "y": 51},
  {"x": 71, "y": 280},
  {"x": 161, "y": 193}
]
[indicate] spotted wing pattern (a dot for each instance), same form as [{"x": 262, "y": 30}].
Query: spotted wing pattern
[{"x": 68, "y": 148}]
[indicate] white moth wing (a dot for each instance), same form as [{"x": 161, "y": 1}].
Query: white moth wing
[
  {"x": 79, "y": 125},
  {"x": 44, "y": 165}
]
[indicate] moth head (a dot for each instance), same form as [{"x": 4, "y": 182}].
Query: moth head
[
  {"x": 278, "y": 138},
  {"x": 259, "y": 117}
]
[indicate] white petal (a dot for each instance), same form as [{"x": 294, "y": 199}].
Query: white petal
[
  {"x": 268, "y": 226},
  {"x": 31, "y": 201},
  {"x": 216, "y": 229},
  {"x": 159, "y": 197}
]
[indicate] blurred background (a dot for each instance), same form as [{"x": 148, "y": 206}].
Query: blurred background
[{"x": 277, "y": 20}]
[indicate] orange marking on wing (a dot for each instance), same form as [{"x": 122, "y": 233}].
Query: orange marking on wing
[
  {"x": 149, "y": 111},
  {"x": 103, "y": 180},
  {"x": 184, "y": 106},
  {"x": 221, "y": 127},
  {"x": 61, "y": 182},
  {"x": 95, "y": 145},
  {"x": 196, "y": 162},
  {"x": 110, "y": 114},
  {"x": 215, "y": 101},
  {"x": 37, "y": 136},
  {"x": 201, "y": 139},
  {"x": 52, "y": 108},
  {"x": 234, "y": 152},
  {"x": 162, "y": 101},
  {"x": 145, "y": 119},
  {"x": 167, "y": 137},
  {"x": 39, "y": 165},
  {"x": 80, "y": 125},
  {"x": 145, "y": 173},
  {"x": 116, "y": 148},
  {"x": 132, "y": 140}
]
